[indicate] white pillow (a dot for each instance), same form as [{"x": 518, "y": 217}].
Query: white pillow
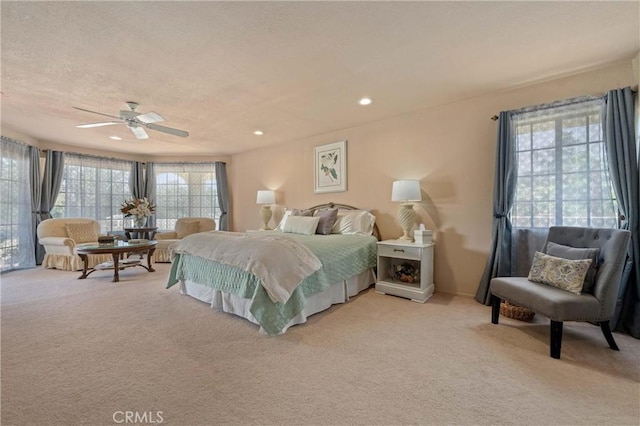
[
  {"x": 286, "y": 214},
  {"x": 354, "y": 222},
  {"x": 301, "y": 224}
]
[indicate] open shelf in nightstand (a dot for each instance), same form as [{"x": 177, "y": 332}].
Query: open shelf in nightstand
[
  {"x": 399, "y": 271},
  {"x": 405, "y": 269}
]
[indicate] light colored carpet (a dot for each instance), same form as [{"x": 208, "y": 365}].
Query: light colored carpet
[{"x": 77, "y": 351}]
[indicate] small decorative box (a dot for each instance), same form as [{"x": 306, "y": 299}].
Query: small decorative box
[
  {"x": 105, "y": 240},
  {"x": 423, "y": 236}
]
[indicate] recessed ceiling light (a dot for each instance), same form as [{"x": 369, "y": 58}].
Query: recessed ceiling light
[
  {"x": 365, "y": 101},
  {"x": 115, "y": 138},
  {"x": 258, "y": 133}
]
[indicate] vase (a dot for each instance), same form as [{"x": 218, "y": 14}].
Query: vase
[{"x": 140, "y": 222}]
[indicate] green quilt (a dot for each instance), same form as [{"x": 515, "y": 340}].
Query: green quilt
[{"x": 342, "y": 257}]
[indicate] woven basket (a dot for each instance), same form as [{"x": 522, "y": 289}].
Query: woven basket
[{"x": 510, "y": 310}]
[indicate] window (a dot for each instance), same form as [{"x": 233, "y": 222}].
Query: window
[
  {"x": 94, "y": 187},
  {"x": 563, "y": 176},
  {"x": 17, "y": 246},
  {"x": 185, "y": 190}
]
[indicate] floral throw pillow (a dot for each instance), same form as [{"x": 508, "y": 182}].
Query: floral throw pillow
[
  {"x": 577, "y": 253},
  {"x": 562, "y": 273}
]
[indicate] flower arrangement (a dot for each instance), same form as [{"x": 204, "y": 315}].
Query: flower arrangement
[{"x": 139, "y": 208}]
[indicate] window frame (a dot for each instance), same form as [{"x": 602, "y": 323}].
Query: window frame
[
  {"x": 523, "y": 213},
  {"x": 197, "y": 202},
  {"x": 16, "y": 218},
  {"x": 83, "y": 166}
]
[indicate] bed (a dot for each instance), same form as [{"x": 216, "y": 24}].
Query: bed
[{"x": 277, "y": 279}]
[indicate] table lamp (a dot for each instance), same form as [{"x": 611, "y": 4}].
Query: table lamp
[
  {"x": 266, "y": 198},
  {"x": 405, "y": 191}
]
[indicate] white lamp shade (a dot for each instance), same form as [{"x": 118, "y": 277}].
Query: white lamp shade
[
  {"x": 266, "y": 197},
  {"x": 406, "y": 190}
]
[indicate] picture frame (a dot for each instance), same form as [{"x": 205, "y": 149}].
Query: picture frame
[{"x": 330, "y": 168}]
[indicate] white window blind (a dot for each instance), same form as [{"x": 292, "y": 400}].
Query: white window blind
[
  {"x": 563, "y": 177},
  {"x": 94, "y": 187},
  {"x": 185, "y": 190},
  {"x": 17, "y": 246}
]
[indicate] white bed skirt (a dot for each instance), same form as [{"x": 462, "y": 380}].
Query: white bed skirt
[{"x": 230, "y": 303}]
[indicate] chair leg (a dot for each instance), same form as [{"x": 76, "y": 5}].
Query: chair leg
[
  {"x": 604, "y": 326},
  {"x": 555, "y": 339},
  {"x": 495, "y": 309}
]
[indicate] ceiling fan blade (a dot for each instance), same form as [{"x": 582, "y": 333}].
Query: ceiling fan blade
[
  {"x": 150, "y": 117},
  {"x": 169, "y": 130},
  {"x": 139, "y": 132},
  {"x": 91, "y": 125},
  {"x": 95, "y": 112}
]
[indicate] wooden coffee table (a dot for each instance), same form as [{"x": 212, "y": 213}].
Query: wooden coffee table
[
  {"x": 145, "y": 232},
  {"x": 116, "y": 250}
]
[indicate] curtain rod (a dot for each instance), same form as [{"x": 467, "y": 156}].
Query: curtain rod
[{"x": 634, "y": 91}]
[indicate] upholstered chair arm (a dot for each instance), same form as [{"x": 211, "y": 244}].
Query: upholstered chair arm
[
  {"x": 58, "y": 245},
  {"x": 57, "y": 241},
  {"x": 169, "y": 235}
]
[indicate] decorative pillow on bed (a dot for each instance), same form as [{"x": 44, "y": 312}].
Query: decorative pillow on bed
[
  {"x": 187, "y": 227},
  {"x": 354, "y": 222},
  {"x": 301, "y": 225},
  {"x": 574, "y": 253},
  {"x": 285, "y": 215},
  {"x": 82, "y": 232},
  {"x": 292, "y": 212},
  {"x": 328, "y": 218},
  {"x": 300, "y": 212},
  {"x": 558, "y": 272}
]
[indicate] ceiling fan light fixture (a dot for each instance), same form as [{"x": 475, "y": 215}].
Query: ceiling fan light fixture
[
  {"x": 135, "y": 121},
  {"x": 258, "y": 133},
  {"x": 365, "y": 101}
]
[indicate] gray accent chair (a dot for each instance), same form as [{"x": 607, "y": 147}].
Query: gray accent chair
[{"x": 560, "y": 305}]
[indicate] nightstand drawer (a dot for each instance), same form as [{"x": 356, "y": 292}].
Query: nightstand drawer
[{"x": 402, "y": 252}]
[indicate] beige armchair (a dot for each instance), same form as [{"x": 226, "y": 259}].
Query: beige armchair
[
  {"x": 184, "y": 226},
  {"x": 60, "y": 237}
]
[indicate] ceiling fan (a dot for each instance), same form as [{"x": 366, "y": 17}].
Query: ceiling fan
[{"x": 135, "y": 121}]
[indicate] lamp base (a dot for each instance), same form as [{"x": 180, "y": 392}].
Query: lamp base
[
  {"x": 407, "y": 218},
  {"x": 265, "y": 215}
]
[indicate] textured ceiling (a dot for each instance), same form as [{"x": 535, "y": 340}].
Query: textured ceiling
[{"x": 292, "y": 69}]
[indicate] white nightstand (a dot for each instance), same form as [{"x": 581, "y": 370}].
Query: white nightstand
[{"x": 405, "y": 269}]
